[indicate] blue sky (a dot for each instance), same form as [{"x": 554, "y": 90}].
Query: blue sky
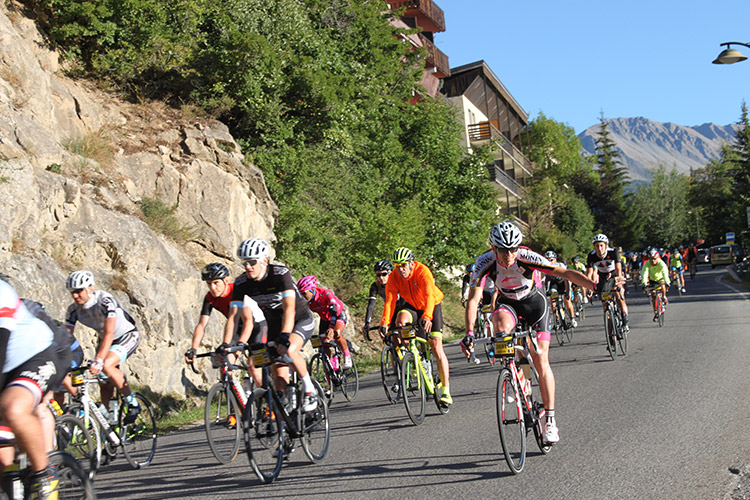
[{"x": 572, "y": 60}]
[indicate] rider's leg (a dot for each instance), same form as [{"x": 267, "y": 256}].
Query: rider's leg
[{"x": 17, "y": 408}]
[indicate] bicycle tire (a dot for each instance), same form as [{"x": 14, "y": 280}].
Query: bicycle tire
[
  {"x": 95, "y": 432},
  {"x": 264, "y": 434},
  {"x": 610, "y": 329},
  {"x": 315, "y": 428},
  {"x": 350, "y": 381},
  {"x": 559, "y": 325},
  {"x": 72, "y": 436},
  {"x": 661, "y": 316},
  {"x": 489, "y": 351},
  {"x": 138, "y": 439},
  {"x": 221, "y": 416},
  {"x": 320, "y": 369},
  {"x": 538, "y": 426},
  {"x": 442, "y": 408},
  {"x": 412, "y": 389},
  {"x": 390, "y": 369},
  {"x": 623, "y": 341},
  {"x": 73, "y": 481},
  {"x": 510, "y": 421}
]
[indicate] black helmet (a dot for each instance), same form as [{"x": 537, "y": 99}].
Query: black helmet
[
  {"x": 214, "y": 271},
  {"x": 383, "y": 265}
]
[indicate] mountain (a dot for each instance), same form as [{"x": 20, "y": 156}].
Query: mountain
[{"x": 644, "y": 144}]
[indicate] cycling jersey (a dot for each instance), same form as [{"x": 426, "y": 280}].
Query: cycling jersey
[
  {"x": 603, "y": 265},
  {"x": 372, "y": 297},
  {"x": 330, "y": 309},
  {"x": 655, "y": 272},
  {"x": 28, "y": 334},
  {"x": 418, "y": 289},
  {"x": 518, "y": 280},
  {"x": 220, "y": 303},
  {"x": 677, "y": 261},
  {"x": 268, "y": 293},
  {"x": 100, "y": 306}
]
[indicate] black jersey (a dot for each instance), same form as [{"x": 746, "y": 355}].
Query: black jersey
[
  {"x": 603, "y": 265},
  {"x": 268, "y": 292}
]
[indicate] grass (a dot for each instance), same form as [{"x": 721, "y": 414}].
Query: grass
[
  {"x": 97, "y": 146},
  {"x": 161, "y": 218}
]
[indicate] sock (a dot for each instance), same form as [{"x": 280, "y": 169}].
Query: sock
[
  {"x": 550, "y": 416},
  {"x": 307, "y": 385},
  {"x": 347, "y": 354}
]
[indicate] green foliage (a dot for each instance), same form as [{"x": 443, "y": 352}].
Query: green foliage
[
  {"x": 161, "y": 218},
  {"x": 663, "y": 207}
]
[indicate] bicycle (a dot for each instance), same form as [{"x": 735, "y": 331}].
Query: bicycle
[
  {"x": 658, "y": 302},
  {"x": 560, "y": 325},
  {"x": 418, "y": 375},
  {"x": 329, "y": 369},
  {"x": 578, "y": 303},
  {"x": 518, "y": 411},
  {"x": 675, "y": 277},
  {"x": 272, "y": 420},
  {"x": 137, "y": 439},
  {"x": 72, "y": 480},
  {"x": 485, "y": 329},
  {"x": 225, "y": 403},
  {"x": 390, "y": 366},
  {"x": 614, "y": 328},
  {"x": 72, "y": 436}
]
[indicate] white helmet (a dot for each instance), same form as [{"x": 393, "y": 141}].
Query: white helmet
[
  {"x": 505, "y": 235},
  {"x": 79, "y": 279},
  {"x": 549, "y": 254},
  {"x": 253, "y": 248},
  {"x": 601, "y": 237}
]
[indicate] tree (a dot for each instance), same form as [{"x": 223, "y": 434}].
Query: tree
[{"x": 663, "y": 206}]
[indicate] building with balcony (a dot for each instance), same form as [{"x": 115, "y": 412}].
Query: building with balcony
[
  {"x": 424, "y": 14},
  {"x": 491, "y": 114}
]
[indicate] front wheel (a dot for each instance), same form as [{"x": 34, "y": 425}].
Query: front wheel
[
  {"x": 320, "y": 370},
  {"x": 73, "y": 482},
  {"x": 660, "y": 309},
  {"x": 315, "y": 428},
  {"x": 559, "y": 326},
  {"x": 622, "y": 339},
  {"x": 390, "y": 367},
  {"x": 510, "y": 421},
  {"x": 610, "y": 331},
  {"x": 71, "y": 435},
  {"x": 221, "y": 421},
  {"x": 350, "y": 381},
  {"x": 539, "y": 421},
  {"x": 139, "y": 438},
  {"x": 264, "y": 435},
  {"x": 413, "y": 389}
]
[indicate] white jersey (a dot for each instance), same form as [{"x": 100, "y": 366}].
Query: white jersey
[
  {"x": 28, "y": 334},
  {"x": 258, "y": 315},
  {"x": 100, "y": 306},
  {"x": 515, "y": 282}
]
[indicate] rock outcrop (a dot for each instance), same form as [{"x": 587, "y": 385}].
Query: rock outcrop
[{"x": 76, "y": 164}]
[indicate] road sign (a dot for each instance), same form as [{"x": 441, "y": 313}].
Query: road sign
[{"x": 730, "y": 238}]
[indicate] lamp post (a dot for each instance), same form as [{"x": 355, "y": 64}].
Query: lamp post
[
  {"x": 697, "y": 227},
  {"x": 730, "y": 55}
]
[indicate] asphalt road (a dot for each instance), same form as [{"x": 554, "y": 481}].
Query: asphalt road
[{"x": 669, "y": 421}]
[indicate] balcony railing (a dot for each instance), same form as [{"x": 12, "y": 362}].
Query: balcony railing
[
  {"x": 484, "y": 131},
  {"x": 497, "y": 175},
  {"x": 436, "y": 58},
  {"x": 434, "y": 15}
]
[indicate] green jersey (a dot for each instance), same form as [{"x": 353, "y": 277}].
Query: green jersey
[{"x": 656, "y": 272}]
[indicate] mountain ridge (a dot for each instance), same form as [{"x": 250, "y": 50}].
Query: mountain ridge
[{"x": 645, "y": 144}]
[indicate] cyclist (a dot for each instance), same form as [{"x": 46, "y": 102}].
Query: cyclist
[
  {"x": 520, "y": 294},
  {"x": 483, "y": 293},
  {"x": 465, "y": 283},
  {"x": 118, "y": 336},
  {"x": 678, "y": 269},
  {"x": 655, "y": 273},
  {"x": 692, "y": 257},
  {"x": 415, "y": 283},
  {"x": 563, "y": 290},
  {"x": 31, "y": 366},
  {"x": 332, "y": 315},
  {"x": 605, "y": 261},
  {"x": 383, "y": 269},
  {"x": 290, "y": 322}
]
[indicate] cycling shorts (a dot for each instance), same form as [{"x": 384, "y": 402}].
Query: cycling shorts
[
  {"x": 436, "y": 332},
  {"x": 303, "y": 327},
  {"x": 259, "y": 335},
  {"x": 678, "y": 269},
  {"x": 606, "y": 284},
  {"x": 126, "y": 345},
  {"x": 41, "y": 373},
  {"x": 325, "y": 325},
  {"x": 534, "y": 307}
]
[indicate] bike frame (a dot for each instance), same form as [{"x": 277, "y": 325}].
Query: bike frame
[{"x": 413, "y": 342}]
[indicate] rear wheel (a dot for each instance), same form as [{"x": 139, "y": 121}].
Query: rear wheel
[
  {"x": 221, "y": 421},
  {"x": 262, "y": 431},
  {"x": 538, "y": 427},
  {"x": 610, "y": 331},
  {"x": 389, "y": 373},
  {"x": 73, "y": 481},
  {"x": 350, "y": 381},
  {"x": 622, "y": 339},
  {"x": 139, "y": 438},
  {"x": 559, "y": 325},
  {"x": 71, "y": 435},
  {"x": 412, "y": 389},
  {"x": 510, "y": 421},
  {"x": 315, "y": 428},
  {"x": 322, "y": 373},
  {"x": 660, "y": 309}
]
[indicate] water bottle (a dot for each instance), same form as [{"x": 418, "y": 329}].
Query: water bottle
[
  {"x": 16, "y": 487},
  {"x": 291, "y": 396},
  {"x": 525, "y": 383},
  {"x": 103, "y": 410},
  {"x": 114, "y": 408},
  {"x": 428, "y": 368},
  {"x": 526, "y": 367}
]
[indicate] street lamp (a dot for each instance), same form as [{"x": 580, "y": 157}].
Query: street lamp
[{"x": 730, "y": 55}]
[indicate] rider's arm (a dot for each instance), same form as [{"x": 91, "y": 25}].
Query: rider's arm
[
  {"x": 574, "y": 276},
  {"x": 665, "y": 273},
  {"x": 391, "y": 296},
  {"x": 247, "y": 324},
  {"x": 289, "y": 308},
  {"x": 427, "y": 280},
  {"x": 200, "y": 328},
  {"x": 371, "y": 299},
  {"x": 232, "y": 318},
  {"x": 108, "y": 335},
  {"x": 470, "y": 314}
]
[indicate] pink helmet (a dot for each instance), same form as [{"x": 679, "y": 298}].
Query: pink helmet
[{"x": 307, "y": 283}]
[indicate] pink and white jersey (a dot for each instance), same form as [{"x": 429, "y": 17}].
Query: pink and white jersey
[
  {"x": 517, "y": 281},
  {"x": 326, "y": 304}
]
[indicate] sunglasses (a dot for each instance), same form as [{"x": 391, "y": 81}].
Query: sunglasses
[
  {"x": 250, "y": 262},
  {"x": 381, "y": 274},
  {"x": 505, "y": 250},
  {"x": 77, "y": 290}
]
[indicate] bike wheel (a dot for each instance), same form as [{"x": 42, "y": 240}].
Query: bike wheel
[
  {"x": 610, "y": 332},
  {"x": 221, "y": 421},
  {"x": 95, "y": 433},
  {"x": 559, "y": 326},
  {"x": 350, "y": 381},
  {"x": 623, "y": 341},
  {"x": 413, "y": 389},
  {"x": 72, "y": 436},
  {"x": 538, "y": 427},
  {"x": 264, "y": 435},
  {"x": 389, "y": 373},
  {"x": 489, "y": 351},
  {"x": 661, "y": 314},
  {"x": 139, "y": 438},
  {"x": 73, "y": 482},
  {"x": 320, "y": 370},
  {"x": 442, "y": 408},
  {"x": 315, "y": 428},
  {"x": 510, "y": 421}
]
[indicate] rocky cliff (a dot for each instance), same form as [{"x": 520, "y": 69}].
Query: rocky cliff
[
  {"x": 645, "y": 144},
  {"x": 76, "y": 164}
]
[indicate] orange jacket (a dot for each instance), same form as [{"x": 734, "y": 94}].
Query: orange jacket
[{"x": 419, "y": 290}]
